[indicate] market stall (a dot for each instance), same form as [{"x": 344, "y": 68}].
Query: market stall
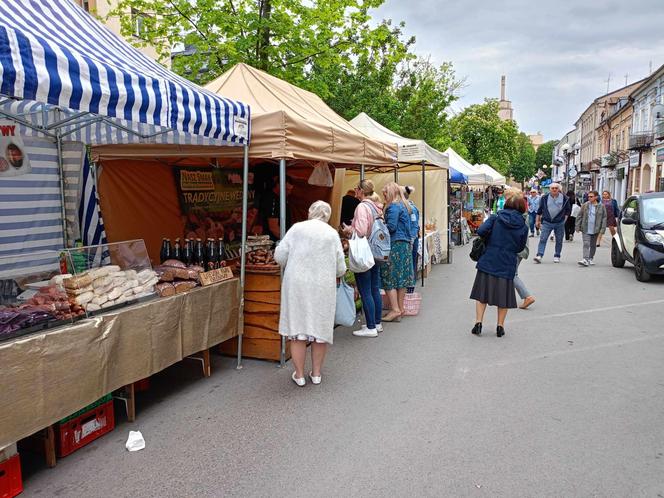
[
  {"x": 88, "y": 320},
  {"x": 430, "y": 171},
  {"x": 294, "y": 135},
  {"x": 468, "y": 200}
]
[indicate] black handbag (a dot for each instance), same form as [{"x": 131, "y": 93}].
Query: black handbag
[{"x": 479, "y": 248}]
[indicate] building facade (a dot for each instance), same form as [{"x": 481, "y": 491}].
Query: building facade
[
  {"x": 505, "y": 111},
  {"x": 566, "y": 156},
  {"x": 102, "y": 8},
  {"x": 647, "y": 136}
]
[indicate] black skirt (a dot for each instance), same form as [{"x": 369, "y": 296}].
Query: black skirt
[{"x": 494, "y": 291}]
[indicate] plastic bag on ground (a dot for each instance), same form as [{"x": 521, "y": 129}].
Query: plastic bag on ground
[{"x": 135, "y": 441}]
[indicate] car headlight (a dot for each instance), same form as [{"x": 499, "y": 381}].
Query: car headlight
[{"x": 654, "y": 238}]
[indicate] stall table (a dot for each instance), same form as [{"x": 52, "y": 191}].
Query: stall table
[{"x": 48, "y": 376}]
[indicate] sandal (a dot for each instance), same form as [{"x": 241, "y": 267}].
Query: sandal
[
  {"x": 300, "y": 382},
  {"x": 392, "y": 317},
  {"x": 315, "y": 380}
]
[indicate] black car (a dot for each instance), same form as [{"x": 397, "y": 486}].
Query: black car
[{"x": 640, "y": 237}]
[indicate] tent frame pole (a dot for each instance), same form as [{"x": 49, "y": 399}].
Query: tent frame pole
[
  {"x": 361, "y": 172},
  {"x": 243, "y": 250},
  {"x": 449, "y": 221},
  {"x": 424, "y": 231},
  {"x": 61, "y": 172},
  {"x": 282, "y": 233}
]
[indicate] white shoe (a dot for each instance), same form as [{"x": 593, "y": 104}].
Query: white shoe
[
  {"x": 591, "y": 262},
  {"x": 556, "y": 260},
  {"x": 379, "y": 327},
  {"x": 315, "y": 380},
  {"x": 300, "y": 382},
  {"x": 584, "y": 262},
  {"x": 365, "y": 332},
  {"x": 537, "y": 259}
]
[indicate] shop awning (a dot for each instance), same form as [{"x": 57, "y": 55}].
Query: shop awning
[
  {"x": 459, "y": 164},
  {"x": 410, "y": 151},
  {"x": 498, "y": 179},
  {"x": 53, "y": 52}
]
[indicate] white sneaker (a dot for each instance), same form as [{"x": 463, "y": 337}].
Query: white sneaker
[
  {"x": 584, "y": 262},
  {"x": 315, "y": 380},
  {"x": 365, "y": 332},
  {"x": 537, "y": 259},
  {"x": 591, "y": 262},
  {"x": 379, "y": 327},
  {"x": 556, "y": 260},
  {"x": 300, "y": 382}
]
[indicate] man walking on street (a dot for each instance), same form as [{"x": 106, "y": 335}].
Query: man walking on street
[
  {"x": 533, "y": 207},
  {"x": 590, "y": 222},
  {"x": 552, "y": 213}
]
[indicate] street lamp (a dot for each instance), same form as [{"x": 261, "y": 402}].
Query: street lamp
[{"x": 565, "y": 150}]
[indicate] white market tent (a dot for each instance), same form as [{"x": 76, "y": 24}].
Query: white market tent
[
  {"x": 410, "y": 151},
  {"x": 498, "y": 179},
  {"x": 433, "y": 165},
  {"x": 474, "y": 175}
]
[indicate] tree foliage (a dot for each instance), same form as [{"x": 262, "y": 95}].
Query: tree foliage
[
  {"x": 544, "y": 154},
  {"x": 486, "y": 137},
  {"x": 523, "y": 165}
]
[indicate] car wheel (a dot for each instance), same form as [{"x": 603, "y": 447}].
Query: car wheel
[
  {"x": 617, "y": 258},
  {"x": 639, "y": 269}
]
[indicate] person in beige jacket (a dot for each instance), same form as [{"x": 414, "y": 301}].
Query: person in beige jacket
[{"x": 591, "y": 222}]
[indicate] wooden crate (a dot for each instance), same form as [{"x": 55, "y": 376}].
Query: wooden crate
[{"x": 262, "y": 298}]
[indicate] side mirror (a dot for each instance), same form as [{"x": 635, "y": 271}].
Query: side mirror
[{"x": 628, "y": 221}]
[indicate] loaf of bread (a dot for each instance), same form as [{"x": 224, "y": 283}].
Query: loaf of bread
[
  {"x": 78, "y": 282},
  {"x": 165, "y": 289},
  {"x": 184, "y": 286}
]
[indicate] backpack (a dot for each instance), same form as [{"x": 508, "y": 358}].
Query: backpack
[{"x": 379, "y": 239}]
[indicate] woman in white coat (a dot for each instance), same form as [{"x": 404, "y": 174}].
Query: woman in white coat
[{"x": 313, "y": 259}]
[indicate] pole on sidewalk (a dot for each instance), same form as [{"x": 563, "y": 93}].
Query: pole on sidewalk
[{"x": 282, "y": 233}]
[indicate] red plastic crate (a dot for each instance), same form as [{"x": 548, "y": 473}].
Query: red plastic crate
[
  {"x": 77, "y": 432},
  {"x": 11, "y": 483}
]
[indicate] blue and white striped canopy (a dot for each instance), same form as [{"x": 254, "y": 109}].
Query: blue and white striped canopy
[{"x": 52, "y": 51}]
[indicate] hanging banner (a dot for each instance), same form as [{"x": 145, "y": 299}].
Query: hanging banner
[
  {"x": 633, "y": 159},
  {"x": 211, "y": 203},
  {"x": 14, "y": 160}
]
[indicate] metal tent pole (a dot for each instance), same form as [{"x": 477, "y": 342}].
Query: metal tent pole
[
  {"x": 361, "y": 172},
  {"x": 61, "y": 171},
  {"x": 243, "y": 250},
  {"x": 396, "y": 174},
  {"x": 449, "y": 221},
  {"x": 282, "y": 233},
  {"x": 424, "y": 232}
]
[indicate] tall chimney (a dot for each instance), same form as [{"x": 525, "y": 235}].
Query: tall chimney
[{"x": 502, "y": 88}]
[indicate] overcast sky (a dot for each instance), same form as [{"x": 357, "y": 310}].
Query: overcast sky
[{"x": 556, "y": 55}]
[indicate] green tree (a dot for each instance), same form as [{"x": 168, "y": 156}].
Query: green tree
[
  {"x": 544, "y": 154},
  {"x": 523, "y": 164},
  {"x": 282, "y": 37},
  {"x": 486, "y": 137}
]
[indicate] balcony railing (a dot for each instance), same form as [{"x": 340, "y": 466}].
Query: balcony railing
[
  {"x": 642, "y": 140},
  {"x": 659, "y": 129}
]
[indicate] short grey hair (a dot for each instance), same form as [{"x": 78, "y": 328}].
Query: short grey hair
[
  {"x": 320, "y": 210},
  {"x": 556, "y": 185}
]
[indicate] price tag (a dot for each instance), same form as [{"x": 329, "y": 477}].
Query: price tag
[{"x": 215, "y": 276}]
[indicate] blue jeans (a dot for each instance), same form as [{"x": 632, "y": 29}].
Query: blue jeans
[
  {"x": 559, "y": 230},
  {"x": 368, "y": 285},
  {"x": 531, "y": 222}
]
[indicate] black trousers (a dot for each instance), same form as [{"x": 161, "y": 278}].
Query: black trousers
[{"x": 570, "y": 225}]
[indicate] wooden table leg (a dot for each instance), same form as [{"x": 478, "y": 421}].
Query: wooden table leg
[
  {"x": 207, "y": 367},
  {"x": 49, "y": 446},
  {"x": 131, "y": 402}
]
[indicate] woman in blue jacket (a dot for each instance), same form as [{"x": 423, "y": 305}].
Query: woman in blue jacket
[
  {"x": 505, "y": 236},
  {"x": 398, "y": 273},
  {"x": 414, "y": 227}
]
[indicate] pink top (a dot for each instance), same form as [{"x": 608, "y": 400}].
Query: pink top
[{"x": 364, "y": 217}]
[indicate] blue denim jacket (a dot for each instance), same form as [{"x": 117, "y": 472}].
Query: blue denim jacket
[{"x": 397, "y": 220}]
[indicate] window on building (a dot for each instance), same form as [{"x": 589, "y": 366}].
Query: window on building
[
  {"x": 88, "y": 5},
  {"x": 138, "y": 19}
]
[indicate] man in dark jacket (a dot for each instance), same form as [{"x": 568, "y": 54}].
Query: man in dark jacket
[{"x": 552, "y": 214}]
